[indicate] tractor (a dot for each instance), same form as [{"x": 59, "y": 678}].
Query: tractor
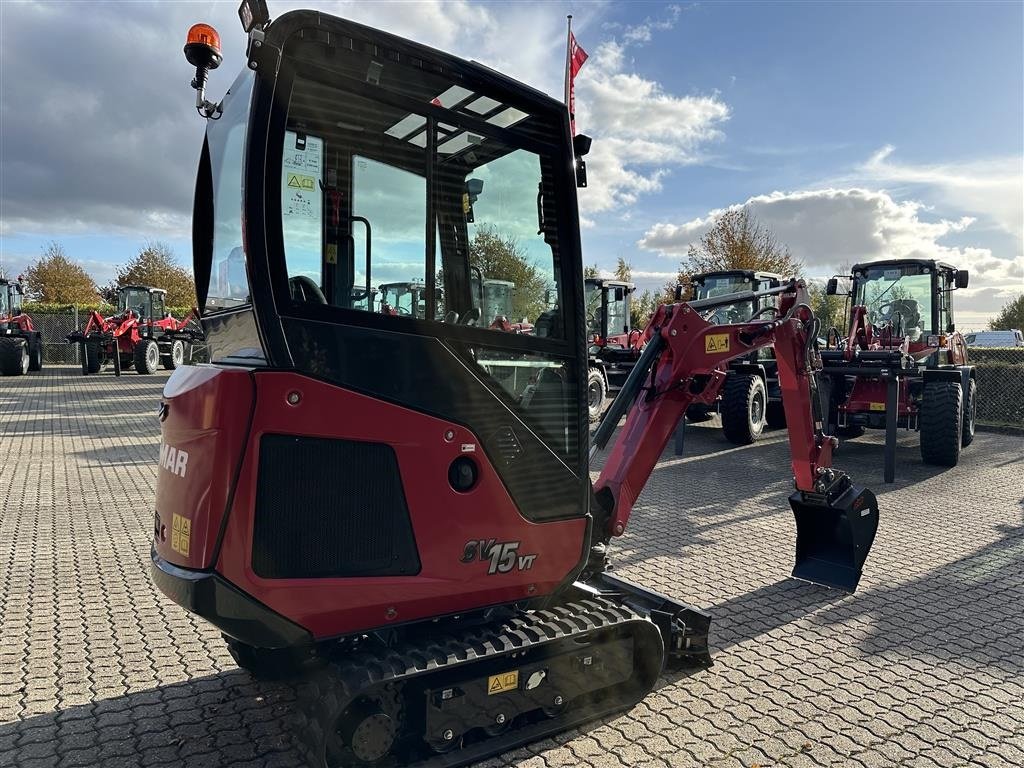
[
  {"x": 902, "y": 364},
  {"x": 141, "y": 333},
  {"x": 349, "y": 495},
  {"x": 613, "y": 345},
  {"x": 21, "y": 345},
  {"x": 751, "y": 397}
]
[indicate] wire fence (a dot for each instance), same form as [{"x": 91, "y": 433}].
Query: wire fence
[
  {"x": 1000, "y": 370},
  {"x": 1000, "y": 374},
  {"x": 55, "y": 325}
]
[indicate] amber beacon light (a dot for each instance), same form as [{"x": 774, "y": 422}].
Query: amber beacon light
[{"x": 202, "y": 51}]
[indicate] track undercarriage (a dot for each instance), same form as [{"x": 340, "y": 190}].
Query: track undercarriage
[{"x": 451, "y": 695}]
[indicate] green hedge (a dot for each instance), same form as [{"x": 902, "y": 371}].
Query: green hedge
[
  {"x": 998, "y": 355},
  {"x": 39, "y": 308}
]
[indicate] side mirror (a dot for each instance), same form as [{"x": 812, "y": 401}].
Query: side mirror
[
  {"x": 619, "y": 294},
  {"x": 581, "y": 145},
  {"x": 832, "y": 286},
  {"x": 475, "y": 188},
  {"x": 962, "y": 278}
]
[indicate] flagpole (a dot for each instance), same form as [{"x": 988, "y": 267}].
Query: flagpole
[{"x": 568, "y": 58}]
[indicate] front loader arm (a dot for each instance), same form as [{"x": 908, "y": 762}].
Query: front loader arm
[{"x": 683, "y": 363}]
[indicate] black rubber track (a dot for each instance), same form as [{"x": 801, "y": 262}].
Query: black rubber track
[
  {"x": 735, "y": 408},
  {"x": 941, "y": 423},
  {"x": 323, "y": 696}
]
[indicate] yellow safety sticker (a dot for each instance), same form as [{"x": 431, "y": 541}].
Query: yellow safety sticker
[
  {"x": 466, "y": 205},
  {"x": 332, "y": 253},
  {"x": 877, "y": 406},
  {"x": 506, "y": 681},
  {"x": 716, "y": 342},
  {"x": 301, "y": 181},
  {"x": 181, "y": 532}
]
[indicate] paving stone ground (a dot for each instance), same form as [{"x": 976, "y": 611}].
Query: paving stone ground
[{"x": 923, "y": 666}]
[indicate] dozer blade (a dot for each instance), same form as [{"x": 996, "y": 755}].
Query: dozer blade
[{"x": 834, "y": 534}]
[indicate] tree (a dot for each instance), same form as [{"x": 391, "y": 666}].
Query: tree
[
  {"x": 830, "y": 310},
  {"x": 623, "y": 270},
  {"x": 1010, "y": 317},
  {"x": 501, "y": 258},
  {"x": 641, "y": 308},
  {"x": 56, "y": 279},
  {"x": 591, "y": 271},
  {"x": 736, "y": 241},
  {"x": 156, "y": 266}
]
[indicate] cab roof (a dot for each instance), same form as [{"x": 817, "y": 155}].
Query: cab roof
[{"x": 930, "y": 263}]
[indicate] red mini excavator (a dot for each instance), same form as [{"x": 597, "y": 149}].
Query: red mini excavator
[{"x": 373, "y": 499}]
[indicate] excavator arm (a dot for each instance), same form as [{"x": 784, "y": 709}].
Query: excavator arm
[{"x": 684, "y": 362}]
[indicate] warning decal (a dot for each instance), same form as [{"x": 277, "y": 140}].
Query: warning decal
[
  {"x": 716, "y": 342},
  {"x": 506, "y": 681},
  {"x": 181, "y": 532},
  {"x": 877, "y": 406}
]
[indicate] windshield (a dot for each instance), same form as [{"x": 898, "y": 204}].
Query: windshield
[
  {"x": 135, "y": 299},
  {"x": 4, "y": 306},
  {"x": 898, "y": 295},
  {"x": 712, "y": 287},
  {"x": 593, "y": 308}
]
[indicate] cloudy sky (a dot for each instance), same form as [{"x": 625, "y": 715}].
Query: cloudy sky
[{"x": 855, "y": 131}]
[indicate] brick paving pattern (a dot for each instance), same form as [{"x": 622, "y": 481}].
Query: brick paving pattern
[{"x": 924, "y": 666}]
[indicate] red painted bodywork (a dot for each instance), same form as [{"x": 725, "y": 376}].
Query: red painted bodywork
[
  {"x": 207, "y": 414},
  {"x": 652, "y": 421},
  {"x": 21, "y": 320}
]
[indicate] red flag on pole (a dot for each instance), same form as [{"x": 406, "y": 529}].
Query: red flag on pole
[{"x": 574, "y": 58}]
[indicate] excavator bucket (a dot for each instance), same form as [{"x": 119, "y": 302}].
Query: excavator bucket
[{"x": 834, "y": 535}]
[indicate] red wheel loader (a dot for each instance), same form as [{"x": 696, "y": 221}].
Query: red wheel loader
[
  {"x": 351, "y": 493},
  {"x": 902, "y": 363},
  {"x": 21, "y": 345},
  {"x": 750, "y": 398},
  {"x": 141, "y": 334}
]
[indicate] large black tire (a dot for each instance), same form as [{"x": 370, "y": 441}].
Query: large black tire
[
  {"x": 92, "y": 358},
  {"x": 175, "y": 357},
  {"x": 35, "y": 355},
  {"x": 775, "y": 415},
  {"x": 146, "y": 356},
  {"x": 269, "y": 663},
  {"x": 596, "y": 394},
  {"x": 744, "y": 402},
  {"x": 941, "y": 422},
  {"x": 14, "y": 359},
  {"x": 970, "y": 407}
]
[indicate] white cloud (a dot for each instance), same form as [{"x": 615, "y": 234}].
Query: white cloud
[
  {"x": 826, "y": 228},
  {"x": 641, "y": 131},
  {"x": 994, "y": 188}
]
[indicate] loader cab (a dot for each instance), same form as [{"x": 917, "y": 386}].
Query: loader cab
[
  {"x": 147, "y": 303},
  {"x": 709, "y": 285},
  {"x": 402, "y": 299},
  {"x": 10, "y": 298},
  {"x": 913, "y": 295},
  {"x": 344, "y": 158},
  {"x": 494, "y": 298},
  {"x": 607, "y": 307}
]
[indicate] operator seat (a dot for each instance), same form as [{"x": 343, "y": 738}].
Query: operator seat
[
  {"x": 303, "y": 288},
  {"x": 548, "y": 324},
  {"x": 908, "y": 310}
]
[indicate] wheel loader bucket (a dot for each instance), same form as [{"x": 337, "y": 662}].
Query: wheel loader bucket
[{"x": 833, "y": 536}]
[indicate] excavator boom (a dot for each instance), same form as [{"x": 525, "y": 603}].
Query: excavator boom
[{"x": 684, "y": 363}]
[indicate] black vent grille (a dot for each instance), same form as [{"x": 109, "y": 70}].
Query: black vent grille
[{"x": 330, "y": 508}]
